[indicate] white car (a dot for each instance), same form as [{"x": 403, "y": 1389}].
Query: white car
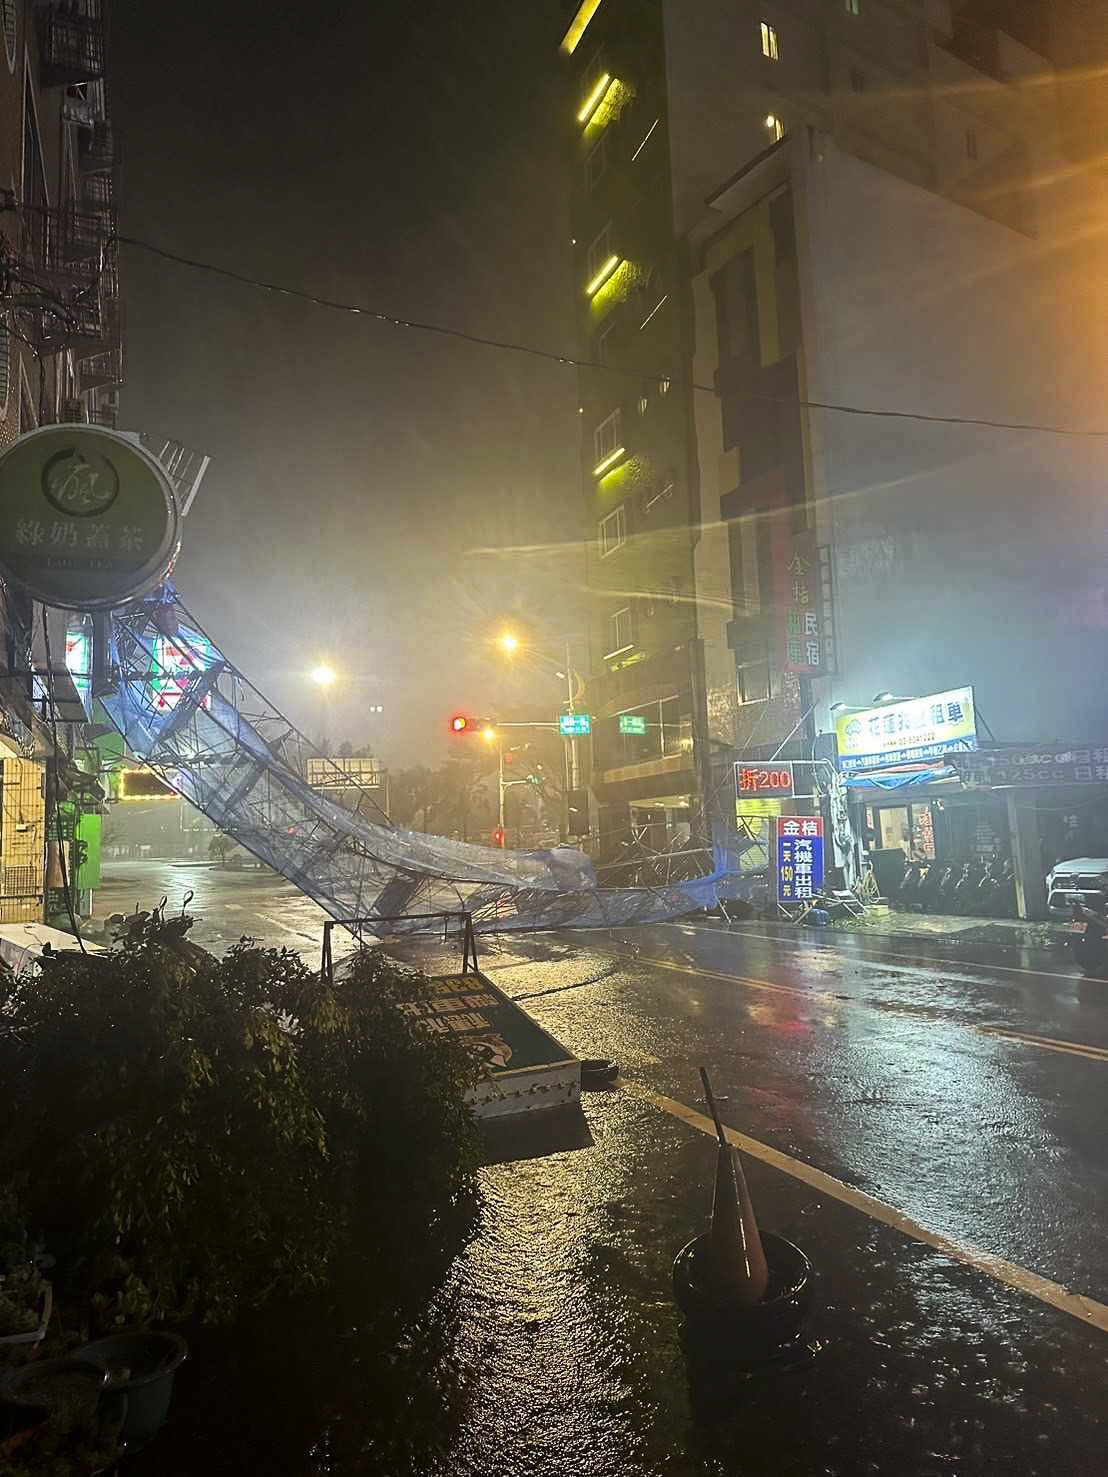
[{"x": 1083, "y": 880}]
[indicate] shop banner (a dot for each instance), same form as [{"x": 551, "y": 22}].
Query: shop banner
[
  {"x": 799, "y": 857},
  {"x": 798, "y": 590},
  {"x": 907, "y": 732},
  {"x": 775, "y": 778},
  {"x": 1037, "y": 764}
]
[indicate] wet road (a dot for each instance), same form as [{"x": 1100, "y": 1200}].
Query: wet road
[{"x": 953, "y": 1089}]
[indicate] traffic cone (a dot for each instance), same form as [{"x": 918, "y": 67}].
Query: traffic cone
[{"x": 736, "y": 1257}]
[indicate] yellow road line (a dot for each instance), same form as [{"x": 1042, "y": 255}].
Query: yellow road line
[
  {"x": 1050, "y": 1043},
  {"x": 927, "y": 960},
  {"x": 1086, "y": 1309},
  {"x": 1045, "y": 1043}
]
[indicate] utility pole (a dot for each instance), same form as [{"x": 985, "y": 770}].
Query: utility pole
[{"x": 500, "y": 788}]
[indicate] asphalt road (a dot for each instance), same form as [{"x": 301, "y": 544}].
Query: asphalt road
[{"x": 929, "y": 1128}]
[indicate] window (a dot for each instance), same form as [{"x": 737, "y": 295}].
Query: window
[
  {"x": 33, "y": 182},
  {"x": 665, "y": 385},
  {"x": 600, "y": 252},
  {"x": 736, "y": 294},
  {"x": 11, "y": 11},
  {"x": 853, "y": 7},
  {"x": 28, "y": 416},
  {"x": 971, "y": 143},
  {"x": 608, "y": 436},
  {"x": 623, "y": 634},
  {"x": 644, "y": 404},
  {"x": 857, "y": 80},
  {"x": 753, "y": 679},
  {"x": 596, "y": 162},
  {"x": 613, "y": 531},
  {"x": 769, "y": 42},
  {"x": 604, "y": 345},
  {"x": 775, "y": 127},
  {"x": 5, "y": 366}
]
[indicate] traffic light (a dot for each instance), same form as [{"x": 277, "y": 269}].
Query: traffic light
[
  {"x": 498, "y": 837},
  {"x": 463, "y": 723}
]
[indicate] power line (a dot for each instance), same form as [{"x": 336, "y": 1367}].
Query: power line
[{"x": 445, "y": 331}]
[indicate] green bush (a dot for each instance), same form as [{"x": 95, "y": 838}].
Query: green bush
[{"x": 193, "y": 1135}]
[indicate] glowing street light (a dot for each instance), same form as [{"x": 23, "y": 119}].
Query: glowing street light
[
  {"x": 509, "y": 643},
  {"x": 323, "y": 675},
  {"x": 489, "y": 735}
]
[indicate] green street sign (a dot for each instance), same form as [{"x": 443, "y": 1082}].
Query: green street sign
[
  {"x": 575, "y": 725},
  {"x": 630, "y": 723},
  {"x": 90, "y": 518}
]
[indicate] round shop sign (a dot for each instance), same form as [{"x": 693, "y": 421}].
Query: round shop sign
[{"x": 88, "y": 519}]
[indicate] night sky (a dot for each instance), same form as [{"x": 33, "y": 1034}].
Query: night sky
[{"x": 406, "y": 157}]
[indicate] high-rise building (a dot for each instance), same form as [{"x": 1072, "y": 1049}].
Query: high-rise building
[
  {"x": 870, "y": 208},
  {"x": 639, "y": 495}
]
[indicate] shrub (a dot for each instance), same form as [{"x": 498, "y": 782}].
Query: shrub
[{"x": 200, "y": 1135}]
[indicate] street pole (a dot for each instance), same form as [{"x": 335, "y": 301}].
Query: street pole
[{"x": 500, "y": 788}]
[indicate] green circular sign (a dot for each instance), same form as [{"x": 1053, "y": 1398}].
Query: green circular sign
[{"x": 88, "y": 519}]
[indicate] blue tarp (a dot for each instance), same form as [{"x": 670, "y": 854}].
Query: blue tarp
[{"x": 906, "y": 780}]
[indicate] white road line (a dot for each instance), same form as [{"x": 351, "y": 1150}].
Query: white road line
[
  {"x": 1086, "y": 1309},
  {"x": 927, "y": 960}
]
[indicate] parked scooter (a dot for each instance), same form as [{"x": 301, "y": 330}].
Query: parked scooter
[
  {"x": 1090, "y": 949},
  {"x": 963, "y": 898}
]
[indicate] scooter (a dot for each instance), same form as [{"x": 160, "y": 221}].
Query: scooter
[
  {"x": 1090, "y": 948},
  {"x": 963, "y": 899}
]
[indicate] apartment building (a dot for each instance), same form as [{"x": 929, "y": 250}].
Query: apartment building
[{"x": 60, "y": 360}]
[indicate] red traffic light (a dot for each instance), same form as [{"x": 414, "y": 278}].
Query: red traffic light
[
  {"x": 459, "y": 723},
  {"x": 498, "y": 837}
]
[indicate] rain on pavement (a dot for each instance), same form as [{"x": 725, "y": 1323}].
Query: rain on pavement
[{"x": 965, "y": 1092}]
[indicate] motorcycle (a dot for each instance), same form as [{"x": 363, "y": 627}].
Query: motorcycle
[{"x": 1090, "y": 948}]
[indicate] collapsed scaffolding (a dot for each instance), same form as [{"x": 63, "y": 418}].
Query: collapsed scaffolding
[{"x": 187, "y": 712}]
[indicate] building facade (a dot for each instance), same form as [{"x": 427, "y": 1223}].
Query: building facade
[
  {"x": 60, "y": 360},
  {"x": 644, "y": 674},
  {"x": 874, "y": 210}
]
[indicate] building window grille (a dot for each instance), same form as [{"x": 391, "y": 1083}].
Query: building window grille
[
  {"x": 769, "y": 42},
  {"x": 613, "y": 531},
  {"x": 599, "y": 252},
  {"x": 853, "y": 7},
  {"x": 608, "y": 436},
  {"x": 623, "y": 634}
]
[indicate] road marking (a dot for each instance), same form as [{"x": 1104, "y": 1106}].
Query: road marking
[
  {"x": 1045, "y": 1043},
  {"x": 1086, "y": 1309},
  {"x": 924, "y": 959},
  {"x": 1050, "y": 1043}
]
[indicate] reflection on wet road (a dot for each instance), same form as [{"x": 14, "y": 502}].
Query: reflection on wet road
[{"x": 964, "y": 1094}]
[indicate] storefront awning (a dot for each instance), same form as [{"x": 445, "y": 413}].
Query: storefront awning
[{"x": 899, "y": 779}]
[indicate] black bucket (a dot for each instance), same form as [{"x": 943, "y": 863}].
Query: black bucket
[{"x": 766, "y": 1333}]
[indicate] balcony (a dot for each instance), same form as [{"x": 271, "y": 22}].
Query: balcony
[
  {"x": 97, "y": 153},
  {"x": 100, "y": 370},
  {"x": 71, "y": 45},
  {"x": 975, "y": 45}
]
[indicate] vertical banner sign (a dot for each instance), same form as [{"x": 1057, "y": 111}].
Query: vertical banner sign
[
  {"x": 799, "y": 591},
  {"x": 799, "y": 857}
]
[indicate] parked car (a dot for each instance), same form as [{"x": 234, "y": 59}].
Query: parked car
[{"x": 1083, "y": 880}]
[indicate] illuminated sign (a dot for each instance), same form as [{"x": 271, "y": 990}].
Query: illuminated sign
[
  {"x": 764, "y": 779},
  {"x": 90, "y": 519},
  {"x": 799, "y": 857},
  {"x": 78, "y": 660},
  {"x": 575, "y": 725},
  {"x": 178, "y": 660},
  {"x": 344, "y": 774},
  {"x": 632, "y": 723},
  {"x": 144, "y": 784},
  {"x": 908, "y": 732}
]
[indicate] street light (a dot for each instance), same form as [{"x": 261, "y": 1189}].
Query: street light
[
  {"x": 323, "y": 675},
  {"x": 509, "y": 643}
]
